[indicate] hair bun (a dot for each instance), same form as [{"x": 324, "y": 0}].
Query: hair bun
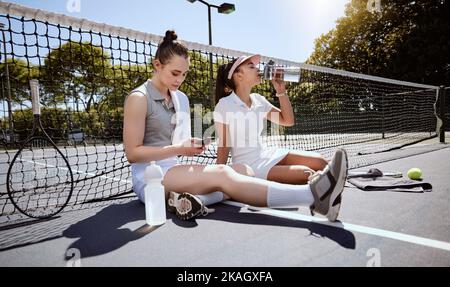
[{"x": 170, "y": 36}]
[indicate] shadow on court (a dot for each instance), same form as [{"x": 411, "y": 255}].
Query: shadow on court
[
  {"x": 104, "y": 231},
  {"x": 232, "y": 214}
]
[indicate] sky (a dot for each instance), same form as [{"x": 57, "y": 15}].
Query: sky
[{"x": 284, "y": 29}]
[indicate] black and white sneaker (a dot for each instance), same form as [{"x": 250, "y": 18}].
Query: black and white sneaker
[
  {"x": 186, "y": 205},
  {"x": 327, "y": 186}
]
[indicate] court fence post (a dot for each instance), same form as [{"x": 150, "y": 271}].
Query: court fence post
[{"x": 442, "y": 95}]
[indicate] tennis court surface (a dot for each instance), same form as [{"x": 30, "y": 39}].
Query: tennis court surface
[{"x": 377, "y": 228}]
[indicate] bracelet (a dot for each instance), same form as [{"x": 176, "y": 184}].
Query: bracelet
[{"x": 280, "y": 95}]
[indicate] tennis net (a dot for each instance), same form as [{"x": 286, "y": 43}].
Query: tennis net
[{"x": 86, "y": 69}]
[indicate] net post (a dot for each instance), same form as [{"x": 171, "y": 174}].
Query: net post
[{"x": 442, "y": 95}]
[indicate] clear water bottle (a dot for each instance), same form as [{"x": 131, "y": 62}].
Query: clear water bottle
[
  {"x": 155, "y": 200},
  {"x": 287, "y": 74}
]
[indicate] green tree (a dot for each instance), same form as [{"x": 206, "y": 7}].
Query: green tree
[
  {"x": 18, "y": 76},
  {"x": 196, "y": 84},
  {"x": 407, "y": 40},
  {"x": 53, "y": 120},
  {"x": 79, "y": 73},
  {"x": 123, "y": 79}
]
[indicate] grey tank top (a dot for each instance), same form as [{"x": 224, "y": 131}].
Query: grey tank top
[{"x": 160, "y": 120}]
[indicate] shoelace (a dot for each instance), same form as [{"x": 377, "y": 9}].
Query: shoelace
[
  {"x": 317, "y": 173},
  {"x": 205, "y": 210},
  {"x": 186, "y": 206},
  {"x": 314, "y": 175}
]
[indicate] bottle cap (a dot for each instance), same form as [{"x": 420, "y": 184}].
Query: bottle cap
[{"x": 153, "y": 171}]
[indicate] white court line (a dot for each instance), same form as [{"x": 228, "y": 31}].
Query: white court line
[{"x": 350, "y": 227}]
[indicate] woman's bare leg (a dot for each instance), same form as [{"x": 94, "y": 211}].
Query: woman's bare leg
[
  {"x": 292, "y": 174},
  {"x": 203, "y": 179},
  {"x": 295, "y": 168},
  {"x": 313, "y": 161},
  {"x": 242, "y": 169}
]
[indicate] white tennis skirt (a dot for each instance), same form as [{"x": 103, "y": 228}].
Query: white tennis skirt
[
  {"x": 270, "y": 157},
  {"x": 138, "y": 173}
]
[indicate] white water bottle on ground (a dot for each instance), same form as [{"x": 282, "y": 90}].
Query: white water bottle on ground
[{"x": 155, "y": 202}]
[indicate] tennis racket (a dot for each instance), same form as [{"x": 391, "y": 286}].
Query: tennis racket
[
  {"x": 374, "y": 172},
  {"x": 39, "y": 178}
]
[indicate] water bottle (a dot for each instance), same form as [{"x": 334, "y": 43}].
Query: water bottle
[
  {"x": 287, "y": 74},
  {"x": 155, "y": 200}
]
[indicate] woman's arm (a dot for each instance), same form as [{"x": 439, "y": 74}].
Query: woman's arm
[
  {"x": 133, "y": 135},
  {"x": 284, "y": 115},
  {"x": 223, "y": 147}
]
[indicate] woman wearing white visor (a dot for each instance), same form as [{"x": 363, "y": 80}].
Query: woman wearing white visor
[
  {"x": 240, "y": 115},
  {"x": 239, "y": 118}
]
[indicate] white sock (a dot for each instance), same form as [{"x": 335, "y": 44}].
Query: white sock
[
  {"x": 211, "y": 198},
  {"x": 288, "y": 195}
]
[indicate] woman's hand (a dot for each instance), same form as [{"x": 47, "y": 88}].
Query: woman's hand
[
  {"x": 278, "y": 83},
  {"x": 191, "y": 147}
]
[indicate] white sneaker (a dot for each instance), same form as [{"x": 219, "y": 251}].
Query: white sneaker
[{"x": 186, "y": 205}]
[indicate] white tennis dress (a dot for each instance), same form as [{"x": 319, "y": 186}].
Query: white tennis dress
[{"x": 245, "y": 126}]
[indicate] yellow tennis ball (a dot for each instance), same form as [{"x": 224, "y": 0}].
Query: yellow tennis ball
[{"x": 414, "y": 173}]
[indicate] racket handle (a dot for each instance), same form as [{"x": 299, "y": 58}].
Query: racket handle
[
  {"x": 34, "y": 88},
  {"x": 395, "y": 174}
]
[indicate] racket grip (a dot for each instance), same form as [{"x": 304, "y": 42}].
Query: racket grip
[{"x": 34, "y": 88}]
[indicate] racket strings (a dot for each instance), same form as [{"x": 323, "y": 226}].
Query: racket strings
[{"x": 41, "y": 179}]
